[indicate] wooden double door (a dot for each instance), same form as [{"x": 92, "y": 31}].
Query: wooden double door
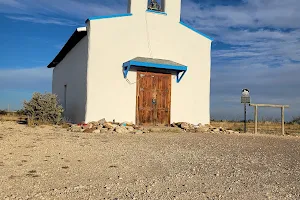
[{"x": 153, "y": 106}]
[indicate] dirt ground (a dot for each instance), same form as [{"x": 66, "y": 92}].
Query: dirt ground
[{"x": 51, "y": 163}]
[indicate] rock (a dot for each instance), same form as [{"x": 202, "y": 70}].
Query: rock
[
  {"x": 102, "y": 121},
  {"x": 130, "y": 128},
  {"x": 108, "y": 125},
  {"x": 130, "y": 123},
  {"x": 103, "y": 130},
  {"x": 203, "y": 129},
  {"x": 97, "y": 131},
  {"x": 114, "y": 126},
  {"x": 123, "y": 124},
  {"x": 121, "y": 129},
  {"x": 174, "y": 125},
  {"x": 230, "y": 131},
  {"x": 89, "y": 130},
  {"x": 184, "y": 126},
  {"x": 208, "y": 125},
  {"x": 126, "y": 124},
  {"x": 85, "y": 126},
  {"x": 206, "y": 129},
  {"x": 193, "y": 130},
  {"x": 191, "y": 126},
  {"x": 215, "y": 130},
  {"x": 75, "y": 128},
  {"x": 177, "y": 124},
  {"x": 99, "y": 126},
  {"x": 138, "y": 127},
  {"x": 93, "y": 123}
]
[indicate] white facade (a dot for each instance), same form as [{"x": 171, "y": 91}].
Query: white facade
[
  {"x": 92, "y": 70},
  {"x": 69, "y": 81}
]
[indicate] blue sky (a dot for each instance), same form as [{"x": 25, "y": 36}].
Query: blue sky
[{"x": 257, "y": 46}]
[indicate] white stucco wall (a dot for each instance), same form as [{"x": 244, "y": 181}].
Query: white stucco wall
[
  {"x": 116, "y": 40},
  {"x": 72, "y": 71}
]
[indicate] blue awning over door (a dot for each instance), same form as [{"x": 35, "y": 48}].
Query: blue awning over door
[{"x": 156, "y": 65}]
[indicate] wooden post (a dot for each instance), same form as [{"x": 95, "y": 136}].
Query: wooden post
[
  {"x": 245, "y": 118},
  {"x": 255, "y": 119},
  {"x": 282, "y": 120}
]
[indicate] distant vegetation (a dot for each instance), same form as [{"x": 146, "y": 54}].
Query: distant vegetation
[
  {"x": 3, "y": 112},
  {"x": 295, "y": 120}
]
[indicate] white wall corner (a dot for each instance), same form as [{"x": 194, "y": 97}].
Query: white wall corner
[
  {"x": 137, "y": 7},
  {"x": 173, "y": 9}
]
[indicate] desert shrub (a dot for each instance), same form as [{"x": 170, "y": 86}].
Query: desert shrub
[
  {"x": 239, "y": 129},
  {"x": 20, "y": 112},
  {"x": 296, "y": 120},
  {"x": 3, "y": 112},
  {"x": 43, "y": 109}
]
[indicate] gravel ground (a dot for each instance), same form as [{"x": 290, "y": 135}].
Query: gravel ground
[{"x": 51, "y": 163}]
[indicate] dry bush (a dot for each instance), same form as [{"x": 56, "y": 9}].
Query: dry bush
[
  {"x": 20, "y": 112},
  {"x": 3, "y": 112},
  {"x": 43, "y": 109},
  {"x": 296, "y": 120}
]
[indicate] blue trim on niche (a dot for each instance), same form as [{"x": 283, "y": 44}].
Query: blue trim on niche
[
  {"x": 127, "y": 66},
  {"x": 157, "y": 12},
  {"x": 108, "y": 16},
  {"x": 189, "y": 27},
  {"x": 179, "y": 77}
]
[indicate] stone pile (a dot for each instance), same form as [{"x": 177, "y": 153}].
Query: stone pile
[
  {"x": 102, "y": 126},
  {"x": 187, "y": 127}
]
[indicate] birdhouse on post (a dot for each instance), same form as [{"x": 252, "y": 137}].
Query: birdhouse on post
[{"x": 245, "y": 98}]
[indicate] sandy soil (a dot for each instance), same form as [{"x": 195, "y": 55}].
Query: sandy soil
[{"x": 51, "y": 163}]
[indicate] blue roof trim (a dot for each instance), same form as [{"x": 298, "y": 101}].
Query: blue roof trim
[
  {"x": 108, "y": 16},
  {"x": 189, "y": 27},
  {"x": 178, "y": 69},
  {"x": 157, "y": 12},
  {"x": 157, "y": 65}
]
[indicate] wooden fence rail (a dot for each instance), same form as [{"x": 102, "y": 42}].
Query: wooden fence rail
[{"x": 269, "y": 105}]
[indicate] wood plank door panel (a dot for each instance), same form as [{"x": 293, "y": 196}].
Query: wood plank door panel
[
  {"x": 163, "y": 90},
  {"x": 153, "y": 98},
  {"x": 144, "y": 102}
]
